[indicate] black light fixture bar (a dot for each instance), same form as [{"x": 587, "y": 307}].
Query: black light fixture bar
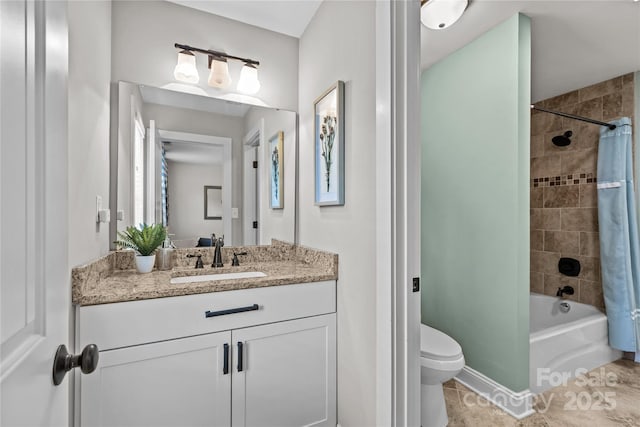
[
  {"x": 574, "y": 117},
  {"x": 215, "y": 53}
]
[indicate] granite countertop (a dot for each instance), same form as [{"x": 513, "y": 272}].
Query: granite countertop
[{"x": 112, "y": 279}]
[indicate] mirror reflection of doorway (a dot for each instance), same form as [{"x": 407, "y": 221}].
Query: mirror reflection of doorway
[{"x": 251, "y": 167}]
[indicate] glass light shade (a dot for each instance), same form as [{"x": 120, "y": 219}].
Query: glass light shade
[
  {"x": 219, "y": 76},
  {"x": 249, "y": 82},
  {"x": 441, "y": 14},
  {"x": 186, "y": 70}
]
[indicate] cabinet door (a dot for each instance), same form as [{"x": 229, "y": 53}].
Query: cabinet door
[
  {"x": 285, "y": 374},
  {"x": 172, "y": 383}
]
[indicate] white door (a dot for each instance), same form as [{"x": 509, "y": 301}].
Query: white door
[
  {"x": 34, "y": 272},
  {"x": 180, "y": 382},
  {"x": 284, "y": 374}
]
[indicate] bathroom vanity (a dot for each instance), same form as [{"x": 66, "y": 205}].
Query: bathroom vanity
[{"x": 234, "y": 352}]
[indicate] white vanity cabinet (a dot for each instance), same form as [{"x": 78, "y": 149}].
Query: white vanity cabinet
[{"x": 164, "y": 363}]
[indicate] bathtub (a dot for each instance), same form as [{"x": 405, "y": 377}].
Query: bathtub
[{"x": 565, "y": 344}]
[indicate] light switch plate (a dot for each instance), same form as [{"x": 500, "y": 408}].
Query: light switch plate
[{"x": 234, "y": 213}]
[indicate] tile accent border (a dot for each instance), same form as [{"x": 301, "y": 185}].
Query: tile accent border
[
  {"x": 570, "y": 179},
  {"x": 518, "y": 405}
]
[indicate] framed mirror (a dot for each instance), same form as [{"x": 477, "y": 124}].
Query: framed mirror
[
  {"x": 169, "y": 145},
  {"x": 212, "y": 202}
]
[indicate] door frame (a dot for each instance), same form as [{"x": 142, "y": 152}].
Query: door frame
[
  {"x": 253, "y": 141},
  {"x": 397, "y": 212}
]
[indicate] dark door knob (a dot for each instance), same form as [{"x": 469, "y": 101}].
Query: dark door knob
[{"x": 63, "y": 362}]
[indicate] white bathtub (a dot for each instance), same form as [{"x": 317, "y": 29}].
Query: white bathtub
[{"x": 563, "y": 344}]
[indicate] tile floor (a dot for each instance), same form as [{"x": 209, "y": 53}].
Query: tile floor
[{"x": 605, "y": 397}]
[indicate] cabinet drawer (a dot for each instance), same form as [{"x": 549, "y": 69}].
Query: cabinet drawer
[{"x": 125, "y": 324}]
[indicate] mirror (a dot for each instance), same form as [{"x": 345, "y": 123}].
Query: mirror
[{"x": 170, "y": 145}]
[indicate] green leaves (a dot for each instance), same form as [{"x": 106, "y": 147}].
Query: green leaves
[{"x": 144, "y": 240}]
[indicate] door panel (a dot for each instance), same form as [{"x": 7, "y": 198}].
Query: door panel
[
  {"x": 172, "y": 383},
  {"x": 288, "y": 374},
  {"x": 34, "y": 274}
]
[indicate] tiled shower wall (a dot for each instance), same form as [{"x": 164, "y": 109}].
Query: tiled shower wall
[{"x": 564, "y": 213}]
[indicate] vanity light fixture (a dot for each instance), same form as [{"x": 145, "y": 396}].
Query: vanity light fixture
[
  {"x": 219, "y": 76},
  {"x": 249, "y": 82},
  {"x": 186, "y": 70},
  {"x": 441, "y": 14}
]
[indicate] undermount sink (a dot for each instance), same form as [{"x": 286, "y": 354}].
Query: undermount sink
[{"x": 219, "y": 276}]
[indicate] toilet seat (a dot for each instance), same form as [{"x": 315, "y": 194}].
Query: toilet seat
[{"x": 438, "y": 346}]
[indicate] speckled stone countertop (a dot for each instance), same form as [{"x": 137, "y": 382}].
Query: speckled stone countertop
[{"x": 113, "y": 278}]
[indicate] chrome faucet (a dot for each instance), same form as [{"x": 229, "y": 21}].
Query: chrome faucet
[{"x": 217, "y": 256}]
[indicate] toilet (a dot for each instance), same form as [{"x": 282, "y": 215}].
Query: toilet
[{"x": 441, "y": 359}]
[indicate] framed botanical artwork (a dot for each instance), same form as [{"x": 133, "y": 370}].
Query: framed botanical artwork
[
  {"x": 276, "y": 170},
  {"x": 329, "y": 146}
]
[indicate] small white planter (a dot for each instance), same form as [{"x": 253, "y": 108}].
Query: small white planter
[{"x": 144, "y": 264}]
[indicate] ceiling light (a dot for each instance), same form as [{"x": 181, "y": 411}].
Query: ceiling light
[
  {"x": 441, "y": 14},
  {"x": 219, "y": 76},
  {"x": 249, "y": 82},
  {"x": 186, "y": 70}
]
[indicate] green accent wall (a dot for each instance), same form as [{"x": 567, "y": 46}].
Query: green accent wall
[{"x": 475, "y": 200}]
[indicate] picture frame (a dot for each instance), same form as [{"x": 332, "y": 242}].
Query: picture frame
[
  {"x": 276, "y": 171},
  {"x": 213, "y": 202},
  {"x": 329, "y": 146}
]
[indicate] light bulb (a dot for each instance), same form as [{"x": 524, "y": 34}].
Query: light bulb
[
  {"x": 186, "y": 70},
  {"x": 440, "y": 14},
  {"x": 249, "y": 82},
  {"x": 219, "y": 76}
]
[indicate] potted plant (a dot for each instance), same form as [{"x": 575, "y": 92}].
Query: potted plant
[{"x": 144, "y": 239}]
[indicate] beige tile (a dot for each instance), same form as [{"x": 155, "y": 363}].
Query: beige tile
[
  {"x": 554, "y": 281},
  {"x": 589, "y": 268},
  {"x": 563, "y": 100},
  {"x": 535, "y": 219},
  {"x": 600, "y": 89},
  {"x": 537, "y": 123},
  {"x": 552, "y": 123},
  {"x": 580, "y": 161},
  {"x": 545, "y": 166},
  {"x": 579, "y": 219},
  {"x": 564, "y": 196},
  {"x": 612, "y": 106},
  {"x": 537, "y": 146},
  {"x": 450, "y": 384},
  {"x": 536, "y": 240},
  {"x": 585, "y": 135},
  {"x": 588, "y": 196},
  {"x": 628, "y": 99},
  {"x": 627, "y": 78},
  {"x": 535, "y": 197},
  {"x": 591, "y": 108},
  {"x": 544, "y": 262},
  {"x": 535, "y": 420},
  {"x": 591, "y": 293},
  {"x": 536, "y": 282},
  {"x": 590, "y": 244},
  {"x": 565, "y": 242}
]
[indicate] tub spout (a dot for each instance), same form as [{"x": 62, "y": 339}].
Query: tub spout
[{"x": 568, "y": 290}]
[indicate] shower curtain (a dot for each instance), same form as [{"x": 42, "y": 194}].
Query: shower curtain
[{"x": 619, "y": 246}]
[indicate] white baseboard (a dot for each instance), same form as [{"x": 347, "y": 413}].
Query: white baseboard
[{"x": 518, "y": 405}]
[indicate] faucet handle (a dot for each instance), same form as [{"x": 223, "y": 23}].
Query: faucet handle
[{"x": 199, "y": 263}]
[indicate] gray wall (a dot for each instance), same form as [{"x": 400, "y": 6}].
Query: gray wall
[
  {"x": 339, "y": 43},
  {"x": 89, "y": 77},
  {"x": 144, "y": 33},
  {"x": 186, "y": 200}
]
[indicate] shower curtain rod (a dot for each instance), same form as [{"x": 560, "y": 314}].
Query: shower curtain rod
[{"x": 571, "y": 116}]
